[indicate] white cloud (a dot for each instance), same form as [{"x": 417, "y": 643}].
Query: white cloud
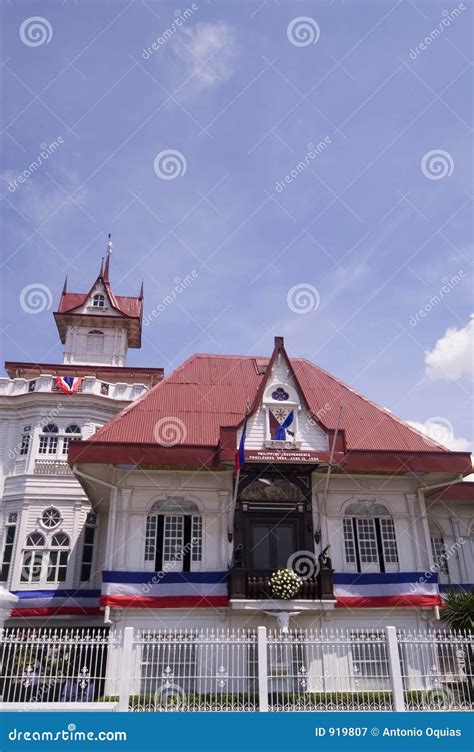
[
  {"x": 452, "y": 355},
  {"x": 39, "y": 198},
  {"x": 208, "y": 52},
  {"x": 439, "y": 430}
]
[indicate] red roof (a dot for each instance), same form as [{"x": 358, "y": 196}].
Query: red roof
[
  {"x": 129, "y": 306},
  {"x": 211, "y": 391},
  {"x": 463, "y": 491}
]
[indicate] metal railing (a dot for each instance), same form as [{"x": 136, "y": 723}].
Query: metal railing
[
  {"x": 252, "y": 585},
  {"x": 56, "y": 665},
  {"x": 238, "y": 670}
]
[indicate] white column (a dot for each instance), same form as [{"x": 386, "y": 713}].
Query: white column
[
  {"x": 126, "y": 669},
  {"x": 395, "y": 672},
  {"x": 262, "y": 669},
  {"x": 123, "y": 528}
]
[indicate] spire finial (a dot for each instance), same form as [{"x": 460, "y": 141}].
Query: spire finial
[
  {"x": 65, "y": 286},
  {"x": 107, "y": 258}
]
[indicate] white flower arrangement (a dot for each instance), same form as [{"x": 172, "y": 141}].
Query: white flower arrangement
[{"x": 285, "y": 584}]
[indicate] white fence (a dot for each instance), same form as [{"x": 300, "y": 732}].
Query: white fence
[{"x": 237, "y": 670}]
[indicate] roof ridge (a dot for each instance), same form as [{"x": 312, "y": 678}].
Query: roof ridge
[{"x": 384, "y": 410}]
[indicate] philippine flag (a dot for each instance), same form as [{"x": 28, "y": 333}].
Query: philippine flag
[
  {"x": 240, "y": 453},
  {"x": 68, "y": 384}
]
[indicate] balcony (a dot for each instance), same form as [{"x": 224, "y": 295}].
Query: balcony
[
  {"x": 52, "y": 467},
  {"x": 90, "y": 386},
  {"x": 255, "y": 586}
]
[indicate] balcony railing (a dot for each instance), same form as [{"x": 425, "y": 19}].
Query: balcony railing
[
  {"x": 251, "y": 585},
  {"x": 52, "y": 467}
]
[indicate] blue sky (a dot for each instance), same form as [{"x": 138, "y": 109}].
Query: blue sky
[{"x": 375, "y": 224}]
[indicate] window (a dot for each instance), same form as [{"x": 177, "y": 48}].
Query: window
[
  {"x": 73, "y": 433},
  {"x": 88, "y": 546},
  {"x": 369, "y": 537},
  {"x": 438, "y": 549},
  {"x": 370, "y": 661},
  {"x": 32, "y": 558},
  {"x": 95, "y": 342},
  {"x": 98, "y": 300},
  {"x": 10, "y": 532},
  {"x": 174, "y": 535},
  {"x": 50, "y": 518},
  {"x": 58, "y": 558},
  {"x": 25, "y": 441},
  {"x": 49, "y": 440}
]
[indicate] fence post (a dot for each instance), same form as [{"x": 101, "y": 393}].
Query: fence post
[
  {"x": 125, "y": 668},
  {"x": 262, "y": 669},
  {"x": 395, "y": 669}
]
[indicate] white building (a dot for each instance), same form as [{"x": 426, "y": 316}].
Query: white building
[
  {"x": 186, "y": 546},
  {"x": 121, "y": 508},
  {"x": 50, "y": 536}
]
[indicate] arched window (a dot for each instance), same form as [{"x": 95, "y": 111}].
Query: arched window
[
  {"x": 174, "y": 535},
  {"x": 49, "y": 440},
  {"x": 438, "y": 548},
  {"x": 88, "y": 546},
  {"x": 73, "y": 433},
  {"x": 369, "y": 537},
  {"x": 32, "y": 558},
  {"x": 95, "y": 342},
  {"x": 58, "y": 558},
  {"x": 98, "y": 300}
]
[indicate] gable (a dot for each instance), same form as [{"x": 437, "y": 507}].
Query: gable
[
  {"x": 282, "y": 401},
  {"x": 88, "y": 305}
]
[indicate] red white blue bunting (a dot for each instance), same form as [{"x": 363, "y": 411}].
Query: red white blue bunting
[
  {"x": 164, "y": 589},
  {"x": 69, "y": 384},
  {"x": 387, "y": 589}
]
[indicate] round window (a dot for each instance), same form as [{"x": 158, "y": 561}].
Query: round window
[{"x": 51, "y": 517}]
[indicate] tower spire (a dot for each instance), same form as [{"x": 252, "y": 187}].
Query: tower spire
[
  {"x": 65, "y": 286},
  {"x": 107, "y": 258}
]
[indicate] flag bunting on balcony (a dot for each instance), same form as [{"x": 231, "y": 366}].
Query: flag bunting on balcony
[
  {"x": 164, "y": 589},
  {"x": 56, "y": 603},
  {"x": 69, "y": 384},
  {"x": 382, "y": 589}
]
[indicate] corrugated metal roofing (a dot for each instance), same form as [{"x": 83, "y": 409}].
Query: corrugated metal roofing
[
  {"x": 126, "y": 305},
  {"x": 210, "y": 391}
]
